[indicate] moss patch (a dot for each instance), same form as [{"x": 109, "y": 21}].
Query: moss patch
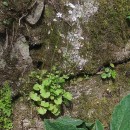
[
  {"x": 109, "y": 23},
  {"x": 97, "y": 98},
  {"x": 51, "y": 33}
]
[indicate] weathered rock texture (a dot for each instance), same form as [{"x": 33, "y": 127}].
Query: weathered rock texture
[
  {"x": 15, "y": 61},
  {"x": 25, "y": 116},
  {"x": 77, "y": 36},
  {"x": 82, "y": 36},
  {"x": 95, "y": 99}
]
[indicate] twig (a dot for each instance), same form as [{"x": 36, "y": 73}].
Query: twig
[
  {"x": 7, "y": 40},
  {"x": 32, "y": 5},
  {"x": 24, "y": 15},
  {"x": 12, "y": 35}
]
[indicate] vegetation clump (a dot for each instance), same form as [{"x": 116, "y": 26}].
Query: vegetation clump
[
  {"x": 109, "y": 23},
  {"x": 49, "y": 94},
  {"x": 118, "y": 122},
  {"x": 109, "y": 72},
  {"x": 5, "y": 108}
]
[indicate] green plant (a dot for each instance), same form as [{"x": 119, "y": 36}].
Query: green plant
[
  {"x": 128, "y": 17},
  {"x": 5, "y": 108},
  {"x": 67, "y": 123},
  {"x": 48, "y": 93},
  {"x": 120, "y": 120},
  {"x": 5, "y": 3},
  {"x": 109, "y": 72}
]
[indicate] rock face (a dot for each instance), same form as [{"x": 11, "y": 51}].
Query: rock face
[
  {"x": 15, "y": 61},
  {"x": 94, "y": 98},
  {"x": 76, "y": 36},
  {"x": 82, "y": 36},
  {"x": 25, "y": 117},
  {"x": 35, "y": 15}
]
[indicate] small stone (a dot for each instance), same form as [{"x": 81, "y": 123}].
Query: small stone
[
  {"x": 26, "y": 123},
  {"x": 35, "y": 15},
  {"x": 2, "y": 63},
  {"x": 2, "y": 28}
]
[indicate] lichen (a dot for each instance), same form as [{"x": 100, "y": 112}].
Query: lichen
[{"x": 75, "y": 15}]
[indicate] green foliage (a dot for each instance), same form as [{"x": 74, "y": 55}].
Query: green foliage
[
  {"x": 109, "y": 23},
  {"x": 98, "y": 125},
  {"x": 120, "y": 120},
  {"x": 5, "y": 3},
  {"x": 121, "y": 115},
  {"x": 48, "y": 93},
  {"x": 128, "y": 17},
  {"x": 67, "y": 123},
  {"x": 5, "y": 108},
  {"x": 109, "y": 72}
]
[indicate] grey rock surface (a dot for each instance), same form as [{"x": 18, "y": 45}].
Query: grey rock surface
[
  {"x": 70, "y": 39},
  {"x": 25, "y": 117},
  {"x": 36, "y": 12}
]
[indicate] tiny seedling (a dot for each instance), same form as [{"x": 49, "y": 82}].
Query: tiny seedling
[{"x": 109, "y": 72}]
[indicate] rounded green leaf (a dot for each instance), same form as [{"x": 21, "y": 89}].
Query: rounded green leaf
[
  {"x": 67, "y": 95},
  {"x": 55, "y": 109},
  {"x": 46, "y": 82},
  {"x": 103, "y": 75},
  {"x": 43, "y": 91},
  {"x": 58, "y": 101},
  {"x": 57, "y": 113},
  {"x": 34, "y": 96},
  {"x": 51, "y": 107},
  {"x": 36, "y": 87},
  {"x": 112, "y": 65},
  {"x": 52, "y": 97},
  {"x": 42, "y": 111},
  {"x": 107, "y": 69},
  {"x": 58, "y": 92},
  {"x": 61, "y": 80},
  {"x": 109, "y": 75},
  {"x": 44, "y": 104},
  {"x": 45, "y": 95},
  {"x": 52, "y": 90},
  {"x": 113, "y": 74}
]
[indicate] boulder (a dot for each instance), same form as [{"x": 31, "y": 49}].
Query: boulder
[{"x": 82, "y": 36}]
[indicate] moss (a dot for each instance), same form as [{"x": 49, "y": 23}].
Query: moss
[
  {"x": 107, "y": 32},
  {"x": 95, "y": 108},
  {"x": 51, "y": 40},
  {"x": 104, "y": 96},
  {"x": 49, "y": 11},
  {"x": 109, "y": 23}
]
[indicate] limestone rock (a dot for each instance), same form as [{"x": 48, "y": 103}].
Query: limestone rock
[
  {"x": 20, "y": 53},
  {"x": 94, "y": 98},
  {"x": 36, "y": 13},
  {"x": 80, "y": 37},
  {"x": 25, "y": 117}
]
